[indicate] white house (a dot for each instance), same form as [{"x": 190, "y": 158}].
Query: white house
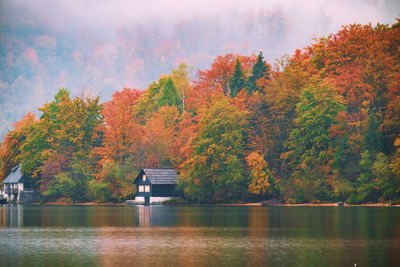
[{"x": 17, "y": 186}]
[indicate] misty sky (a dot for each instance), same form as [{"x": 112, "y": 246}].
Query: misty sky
[{"x": 98, "y": 47}]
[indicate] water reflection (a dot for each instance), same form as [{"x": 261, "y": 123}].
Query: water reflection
[
  {"x": 11, "y": 216},
  {"x": 198, "y": 236},
  {"x": 256, "y": 254},
  {"x": 143, "y": 215}
]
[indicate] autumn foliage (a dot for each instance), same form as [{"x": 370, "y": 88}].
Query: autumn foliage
[{"x": 320, "y": 125}]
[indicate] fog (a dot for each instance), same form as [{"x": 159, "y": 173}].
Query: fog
[{"x": 97, "y": 47}]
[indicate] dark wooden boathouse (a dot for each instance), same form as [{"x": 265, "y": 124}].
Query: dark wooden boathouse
[{"x": 156, "y": 184}]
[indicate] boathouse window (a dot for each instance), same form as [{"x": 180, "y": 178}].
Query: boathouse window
[
  {"x": 141, "y": 188},
  {"x": 144, "y": 178},
  {"x": 147, "y": 188}
]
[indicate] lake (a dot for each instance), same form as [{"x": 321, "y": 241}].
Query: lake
[{"x": 198, "y": 236}]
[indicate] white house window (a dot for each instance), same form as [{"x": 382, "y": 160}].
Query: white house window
[
  {"x": 147, "y": 188},
  {"x": 144, "y": 177},
  {"x": 141, "y": 188}
]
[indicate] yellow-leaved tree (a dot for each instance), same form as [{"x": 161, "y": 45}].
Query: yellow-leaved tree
[{"x": 260, "y": 174}]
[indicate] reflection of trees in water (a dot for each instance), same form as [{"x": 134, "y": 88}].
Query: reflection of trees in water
[
  {"x": 12, "y": 216},
  {"x": 199, "y": 236},
  {"x": 256, "y": 252}
]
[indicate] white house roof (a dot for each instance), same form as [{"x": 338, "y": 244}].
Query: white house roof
[{"x": 15, "y": 176}]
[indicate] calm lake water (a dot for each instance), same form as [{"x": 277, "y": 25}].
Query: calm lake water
[{"x": 199, "y": 236}]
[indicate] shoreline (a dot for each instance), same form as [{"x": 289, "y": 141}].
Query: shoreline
[
  {"x": 333, "y": 205},
  {"x": 78, "y": 204},
  {"x": 255, "y": 204},
  {"x": 260, "y": 204}
]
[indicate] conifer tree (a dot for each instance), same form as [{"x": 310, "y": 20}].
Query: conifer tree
[
  {"x": 169, "y": 94},
  {"x": 260, "y": 69},
  {"x": 236, "y": 82}
]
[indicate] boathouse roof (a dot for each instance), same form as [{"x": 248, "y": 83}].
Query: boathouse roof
[
  {"x": 159, "y": 176},
  {"x": 15, "y": 176}
]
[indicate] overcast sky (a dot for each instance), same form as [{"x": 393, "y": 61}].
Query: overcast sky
[{"x": 100, "y": 46}]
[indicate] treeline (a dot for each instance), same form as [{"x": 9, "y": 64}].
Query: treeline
[{"x": 321, "y": 125}]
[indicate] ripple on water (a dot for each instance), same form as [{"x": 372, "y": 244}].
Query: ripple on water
[{"x": 111, "y": 236}]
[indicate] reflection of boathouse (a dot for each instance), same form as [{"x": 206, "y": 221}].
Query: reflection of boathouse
[
  {"x": 11, "y": 216},
  {"x": 17, "y": 186},
  {"x": 163, "y": 216},
  {"x": 155, "y": 185}
]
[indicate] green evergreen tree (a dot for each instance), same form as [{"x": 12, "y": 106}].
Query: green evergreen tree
[
  {"x": 366, "y": 187},
  {"x": 366, "y": 184},
  {"x": 259, "y": 70},
  {"x": 168, "y": 94},
  {"x": 236, "y": 82},
  {"x": 373, "y": 137},
  {"x": 387, "y": 183},
  {"x": 376, "y": 182}
]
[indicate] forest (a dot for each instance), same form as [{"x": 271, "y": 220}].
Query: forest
[{"x": 320, "y": 125}]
